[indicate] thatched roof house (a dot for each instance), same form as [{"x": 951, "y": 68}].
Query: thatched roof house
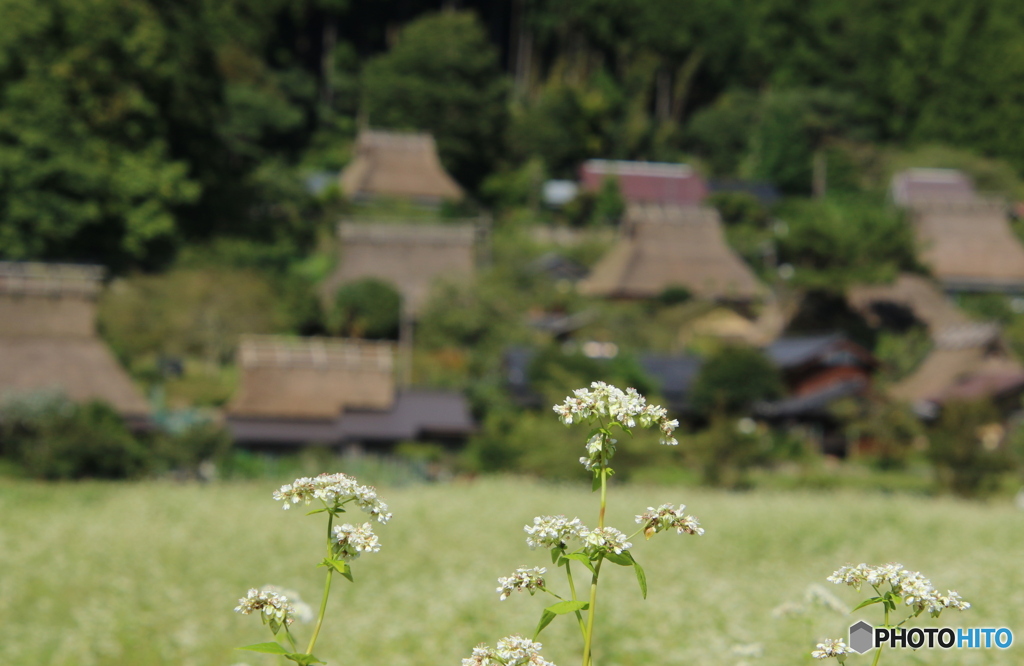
[
  {"x": 411, "y": 257},
  {"x": 969, "y": 362},
  {"x": 312, "y": 378},
  {"x": 965, "y": 238},
  {"x": 331, "y": 392},
  {"x": 401, "y": 165},
  {"x": 672, "y": 246},
  {"x": 647, "y": 182},
  {"x": 910, "y": 299},
  {"x": 48, "y": 339},
  {"x": 915, "y": 187}
]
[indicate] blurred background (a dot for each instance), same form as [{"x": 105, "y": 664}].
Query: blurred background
[{"x": 237, "y": 237}]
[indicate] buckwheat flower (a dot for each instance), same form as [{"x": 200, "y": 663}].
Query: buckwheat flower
[
  {"x": 510, "y": 651},
  {"x": 831, "y": 647},
  {"x": 274, "y": 606},
  {"x": 333, "y": 490},
  {"x": 953, "y": 600},
  {"x": 608, "y": 538},
  {"x": 530, "y": 580},
  {"x": 892, "y": 573},
  {"x": 553, "y": 531},
  {"x": 302, "y": 611},
  {"x": 350, "y": 541},
  {"x": 367, "y": 500},
  {"x": 518, "y": 651},
  {"x": 666, "y": 517},
  {"x": 626, "y": 407},
  {"x": 854, "y": 576}
]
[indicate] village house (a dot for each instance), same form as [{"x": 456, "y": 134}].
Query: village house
[
  {"x": 411, "y": 257},
  {"x": 48, "y": 338},
  {"x": 662, "y": 247},
  {"x": 965, "y": 238},
  {"x": 646, "y": 182},
  {"x": 296, "y": 392},
  {"x": 969, "y": 360},
  {"x": 398, "y": 165}
]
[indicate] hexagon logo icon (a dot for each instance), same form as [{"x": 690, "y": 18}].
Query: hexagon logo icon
[{"x": 861, "y": 637}]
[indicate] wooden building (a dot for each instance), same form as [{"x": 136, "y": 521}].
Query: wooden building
[
  {"x": 398, "y": 165},
  {"x": 662, "y": 247},
  {"x": 48, "y": 338}
]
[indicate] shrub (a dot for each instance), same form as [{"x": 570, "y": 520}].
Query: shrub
[
  {"x": 367, "y": 308},
  {"x": 733, "y": 379},
  {"x": 50, "y": 437},
  {"x": 969, "y": 458}
]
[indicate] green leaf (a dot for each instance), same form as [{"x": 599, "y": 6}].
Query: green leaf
[
  {"x": 310, "y": 513},
  {"x": 303, "y": 659},
  {"x": 266, "y": 648},
  {"x": 641, "y": 578},
  {"x": 341, "y": 566},
  {"x": 623, "y": 559},
  {"x": 563, "y": 607},
  {"x": 596, "y": 485},
  {"x": 868, "y": 602},
  {"x": 555, "y": 553},
  {"x": 580, "y": 557},
  {"x": 545, "y": 620}
]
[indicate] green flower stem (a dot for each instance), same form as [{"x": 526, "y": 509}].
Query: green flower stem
[
  {"x": 327, "y": 587},
  {"x": 589, "y": 635},
  {"x": 572, "y": 589},
  {"x": 878, "y": 654}
]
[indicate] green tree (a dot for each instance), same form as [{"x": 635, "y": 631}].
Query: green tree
[
  {"x": 367, "y": 308},
  {"x": 733, "y": 379},
  {"x": 965, "y": 448},
  {"x": 443, "y": 77},
  {"x": 839, "y": 242}
]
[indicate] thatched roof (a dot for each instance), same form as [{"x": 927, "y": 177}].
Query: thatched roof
[
  {"x": 969, "y": 245},
  {"x": 915, "y": 187},
  {"x": 412, "y": 257},
  {"x": 969, "y": 361},
  {"x": 48, "y": 299},
  {"x": 39, "y": 279},
  {"x": 312, "y": 378},
  {"x": 672, "y": 246},
  {"x": 397, "y": 164},
  {"x": 48, "y": 337},
  {"x": 965, "y": 238},
  {"x": 83, "y": 368},
  {"x": 915, "y": 294}
]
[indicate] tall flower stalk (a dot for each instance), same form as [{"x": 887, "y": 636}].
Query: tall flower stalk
[
  {"x": 345, "y": 543},
  {"x": 570, "y": 542}
]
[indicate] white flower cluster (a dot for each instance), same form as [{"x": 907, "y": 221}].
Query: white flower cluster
[
  {"x": 302, "y": 611},
  {"x": 608, "y": 538},
  {"x": 274, "y": 606},
  {"x": 553, "y": 531},
  {"x": 666, "y": 517},
  {"x": 351, "y": 541},
  {"x": 510, "y": 651},
  {"x": 626, "y": 407},
  {"x": 557, "y": 531},
  {"x": 530, "y": 580},
  {"x": 831, "y": 647},
  {"x": 915, "y": 590},
  {"x": 334, "y": 490}
]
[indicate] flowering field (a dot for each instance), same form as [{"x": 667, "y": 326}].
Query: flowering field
[{"x": 119, "y": 574}]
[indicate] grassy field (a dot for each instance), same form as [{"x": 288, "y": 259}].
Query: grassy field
[{"x": 119, "y": 574}]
